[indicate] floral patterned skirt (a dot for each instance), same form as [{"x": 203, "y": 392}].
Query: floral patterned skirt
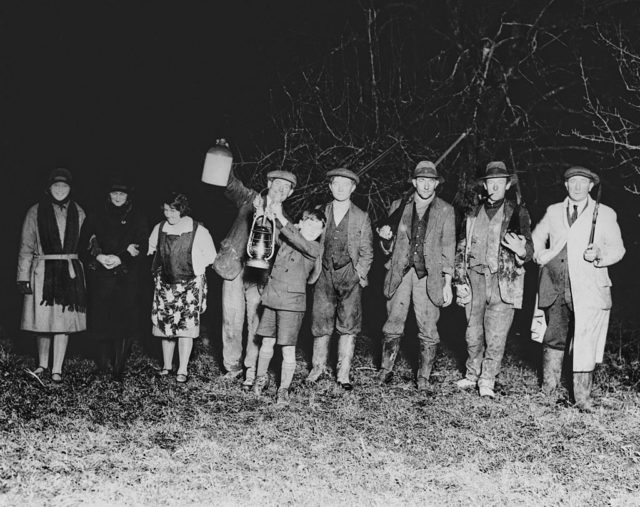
[{"x": 177, "y": 307}]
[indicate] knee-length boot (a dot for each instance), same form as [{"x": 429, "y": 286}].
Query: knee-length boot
[
  {"x": 551, "y": 369},
  {"x": 582, "y": 382},
  {"x": 428, "y": 357},
  {"x": 390, "y": 349},
  {"x": 319, "y": 359},
  {"x": 346, "y": 348}
]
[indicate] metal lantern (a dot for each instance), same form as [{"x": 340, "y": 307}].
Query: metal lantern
[
  {"x": 261, "y": 244},
  {"x": 217, "y": 164}
]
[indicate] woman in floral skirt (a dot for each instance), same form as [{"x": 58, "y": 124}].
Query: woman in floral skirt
[{"x": 183, "y": 249}]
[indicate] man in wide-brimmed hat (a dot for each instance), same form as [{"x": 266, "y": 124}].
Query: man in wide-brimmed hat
[
  {"x": 243, "y": 285},
  {"x": 489, "y": 277},
  {"x": 574, "y": 283},
  {"x": 347, "y": 256},
  {"x": 421, "y": 246}
]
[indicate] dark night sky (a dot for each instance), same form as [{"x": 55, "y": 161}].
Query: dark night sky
[
  {"x": 141, "y": 87},
  {"x": 146, "y": 88}
]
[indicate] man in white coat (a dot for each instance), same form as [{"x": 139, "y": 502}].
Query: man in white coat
[{"x": 574, "y": 282}]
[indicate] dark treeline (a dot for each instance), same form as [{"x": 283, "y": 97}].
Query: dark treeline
[{"x": 309, "y": 86}]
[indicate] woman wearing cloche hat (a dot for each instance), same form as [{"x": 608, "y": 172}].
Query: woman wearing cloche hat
[
  {"x": 117, "y": 236},
  {"x": 50, "y": 275}
]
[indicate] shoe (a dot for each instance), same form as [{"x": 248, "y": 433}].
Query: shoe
[
  {"x": 423, "y": 385},
  {"x": 260, "y": 385},
  {"x": 282, "y": 397},
  {"x": 385, "y": 377},
  {"x": 315, "y": 374},
  {"x": 40, "y": 370},
  {"x": 56, "y": 377},
  {"x": 347, "y": 386},
  {"x": 164, "y": 372},
  {"x": 247, "y": 387},
  {"x": 465, "y": 383},
  {"x": 182, "y": 378},
  {"x": 487, "y": 392},
  {"x": 232, "y": 375}
]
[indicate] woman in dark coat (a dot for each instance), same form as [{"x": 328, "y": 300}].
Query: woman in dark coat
[
  {"x": 50, "y": 274},
  {"x": 115, "y": 236}
]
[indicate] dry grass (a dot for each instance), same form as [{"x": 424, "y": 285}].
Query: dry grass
[{"x": 149, "y": 441}]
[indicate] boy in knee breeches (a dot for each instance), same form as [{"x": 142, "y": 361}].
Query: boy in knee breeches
[{"x": 284, "y": 297}]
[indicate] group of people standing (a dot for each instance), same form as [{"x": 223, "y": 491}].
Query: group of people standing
[{"x": 331, "y": 248}]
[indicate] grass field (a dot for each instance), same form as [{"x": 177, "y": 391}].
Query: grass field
[{"x": 150, "y": 441}]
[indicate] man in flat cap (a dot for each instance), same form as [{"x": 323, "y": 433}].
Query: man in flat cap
[
  {"x": 489, "y": 276},
  {"x": 574, "y": 285},
  {"x": 242, "y": 285},
  {"x": 346, "y": 259},
  {"x": 419, "y": 237}
]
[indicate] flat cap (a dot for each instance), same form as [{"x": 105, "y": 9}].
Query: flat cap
[
  {"x": 345, "y": 173},
  {"x": 427, "y": 169},
  {"x": 581, "y": 171},
  {"x": 60, "y": 174},
  {"x": 283, "y": 175},
  {"x": 119, "y": 183}
]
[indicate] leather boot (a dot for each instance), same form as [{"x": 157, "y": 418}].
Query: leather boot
[
  {"x": 582, "y": 382},
  {"x": 319, "y": 359},
  {"x": 346, "y": 347},
  {"x": 428, "y": 357},
  {"x": 551, "y": 369},
  {"x": 390, "y": 349}
]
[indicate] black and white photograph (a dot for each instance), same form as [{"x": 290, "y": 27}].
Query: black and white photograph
[{"x": 317, "y": 253}]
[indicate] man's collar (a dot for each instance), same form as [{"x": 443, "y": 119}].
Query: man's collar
[
  {"x": 419, "y": 201},
  {"x": 493, "y": 205},
  {"x": 580, "y": 204},
  {"x": 342, "y": 204}
]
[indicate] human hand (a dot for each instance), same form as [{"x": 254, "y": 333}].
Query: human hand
[
  {"x": 24, "y": 288},
  {"x": 447, "y": 294},
  {"x": 109, "y": 261},
  {"x": 258, "y": 205},
  {"x": 463, "y": 294},
  {"x": 516, "y": 243},
  {"x": 592, "y": 253},
  {"x": 133, "y": 250},
  {"x": 385, "y": 232}
]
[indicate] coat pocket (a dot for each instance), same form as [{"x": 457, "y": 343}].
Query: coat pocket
[{"x": 602, "y": 277}]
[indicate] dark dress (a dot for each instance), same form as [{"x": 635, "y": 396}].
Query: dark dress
[{"x": 114, "y": 296}]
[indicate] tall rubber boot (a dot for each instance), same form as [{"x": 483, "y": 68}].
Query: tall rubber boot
[
  {"x": 582, "y": 382},
  {"x": 551, "y": 369},
  {"x": 428, "y": 357},
  {"x": 319, "y": 359},
  {"x": 390, "y": 349},
  {"x": 346, "y": 348}
]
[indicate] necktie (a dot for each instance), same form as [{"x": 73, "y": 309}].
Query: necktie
[{"x": 574, "y": 214}]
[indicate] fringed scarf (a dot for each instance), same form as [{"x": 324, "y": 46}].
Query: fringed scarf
[{"x": 59, "y": 288}]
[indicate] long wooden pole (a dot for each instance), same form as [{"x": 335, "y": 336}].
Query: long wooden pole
[{"x": 595, "y": 214}]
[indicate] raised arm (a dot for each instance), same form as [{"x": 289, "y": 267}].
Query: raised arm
[{"x": 237, "y": 192}]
